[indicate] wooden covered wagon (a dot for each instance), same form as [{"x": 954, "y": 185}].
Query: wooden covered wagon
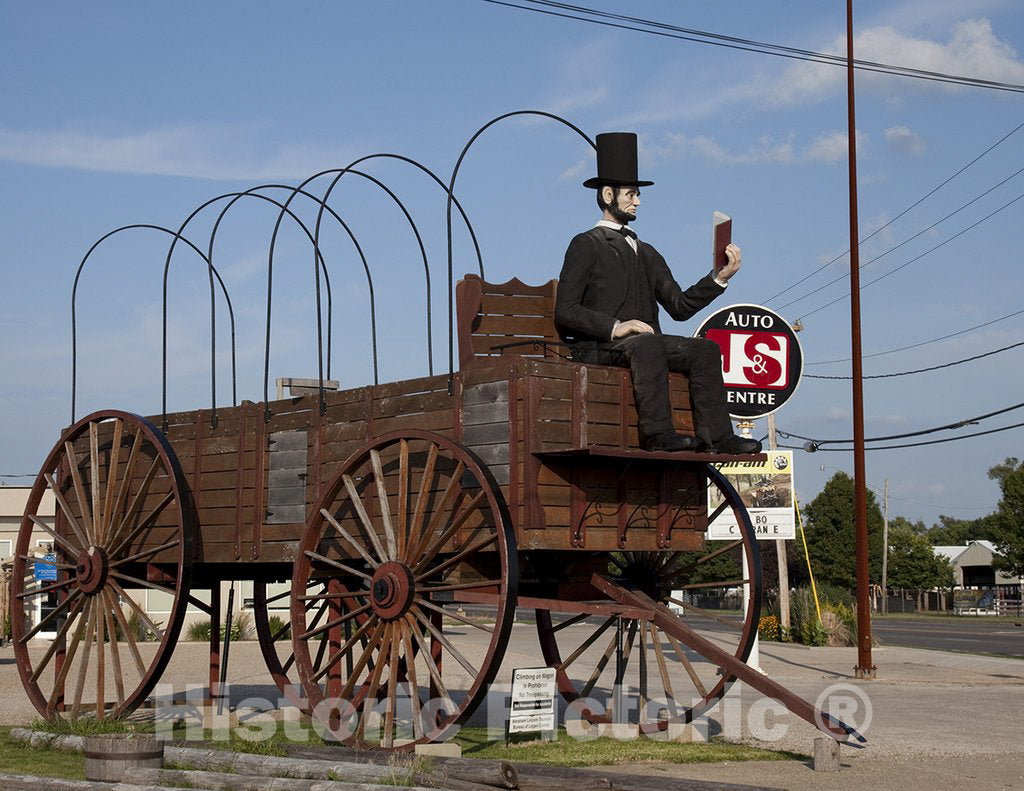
[{"x": 412, "y": 519}]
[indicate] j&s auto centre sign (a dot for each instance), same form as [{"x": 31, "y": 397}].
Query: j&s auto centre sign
[{"x": 761, "y": 358}]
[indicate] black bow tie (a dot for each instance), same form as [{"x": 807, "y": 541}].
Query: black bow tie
[{"x": 627, "y": 232}]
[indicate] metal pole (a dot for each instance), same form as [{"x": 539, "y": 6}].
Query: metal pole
[
  {"x": 780, "y": 546},
  {"x": 754, "y": 659},
  {"x": 620, "y": 673},
  {"x": 864, "y": 668},
  {"x": 885, "y": 547},
  {"x": 227, "y": 647}
]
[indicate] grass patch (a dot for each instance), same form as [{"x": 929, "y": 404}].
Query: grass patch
[
  {"x": 402, "y": 771},
  {"x": 87, "y": 726},
  {"x": 230, "y": 740},
  {"x": 566, "y": 751},
  {"x": 19, "y": 758}
]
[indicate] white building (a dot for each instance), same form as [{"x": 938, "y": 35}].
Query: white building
[
  {"x": 156, "y": 604},
  {"x": 980, "y": 587}
]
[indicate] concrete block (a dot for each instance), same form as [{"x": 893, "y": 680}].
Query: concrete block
[
  {"x": 687, "y": 733},
  {"x": 440, "y": 749},
  {"x": 826, "y": 754}
]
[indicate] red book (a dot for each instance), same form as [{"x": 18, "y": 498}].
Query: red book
[{"x": 721, "y": 238}]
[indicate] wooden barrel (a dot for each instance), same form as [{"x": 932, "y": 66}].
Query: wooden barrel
[{"x": 108, "y": 756}]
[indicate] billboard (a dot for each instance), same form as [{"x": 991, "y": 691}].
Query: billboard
[
  {"x": 766, "y": 489},
  {"x": 761, "y": 358}
]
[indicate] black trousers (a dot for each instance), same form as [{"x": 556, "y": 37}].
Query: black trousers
[{"x": 650, "y": 358}]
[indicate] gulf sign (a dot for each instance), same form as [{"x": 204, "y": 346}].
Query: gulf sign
[{"x": 761, "y": 358}]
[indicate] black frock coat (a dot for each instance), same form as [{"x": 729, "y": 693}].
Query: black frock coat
[{"x": 592, "y": 288}]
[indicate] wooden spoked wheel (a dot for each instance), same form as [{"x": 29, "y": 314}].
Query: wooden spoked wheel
[
  {"x": 275, "y": 641},
  {"x": 123, "y": 531},
  {"x": 275, "y": 638},
  {"x": 662, "y": 680},
  {"x": 414, "y": 556}
]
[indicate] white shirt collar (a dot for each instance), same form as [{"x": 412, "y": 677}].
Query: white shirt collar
[{"x": 615, "y": 226}]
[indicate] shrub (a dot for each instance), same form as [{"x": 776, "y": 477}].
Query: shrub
[
  {"x": 838, "y": 624},
  {"x": 835, "y": 629},
  {"x": 139, "y": 630},
  {"x": 813, "y": 633},
  {"x": 832, "y": 594},
  {"x": 847, "y": 615},
  {"x": 276, "y": 625},
  {"x": 241, "y": 629},
  {"x": 802, "y": 614},
  {"x": 198, "y": 631}
]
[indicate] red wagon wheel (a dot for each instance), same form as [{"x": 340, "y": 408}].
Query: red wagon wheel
[
  {"x": 124, "y": 523},
  {"x": 275, "y": 641},
  {"x": 664, "y": 680},
  {"x": 275, "y": 637},
  {"x": 413, "y": 528}
]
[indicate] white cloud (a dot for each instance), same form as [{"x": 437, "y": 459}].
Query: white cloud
[
  {"x": 919, "y": 14},
  {"x": 834, "y": 146},
  {"x": 574, "y": 172},
  {"x": 903, "y": 141},
  {"x": 672, "y": 146},
  {"x": 572, "y": 86},
  {"x": 888, "y": 420},
  {"x": 678, "y": 145},
  {"x": 199, "y": 151},
  {"x": 764, "y": 150},
  {"x": 837, "y": 413},
  {"x": 972, "y": 50},
  {"x": 578, "y": 99}
]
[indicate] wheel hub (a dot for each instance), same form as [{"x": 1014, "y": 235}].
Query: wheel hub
[
  {"x": 391, "y": 590},
  {"x": 91, "y": 570}
]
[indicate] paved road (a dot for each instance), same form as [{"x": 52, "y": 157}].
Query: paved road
[
  {"x": 974, "y": 635},
  {"x": 969, "y": 634}
]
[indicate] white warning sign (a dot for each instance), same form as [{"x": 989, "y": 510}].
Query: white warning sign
[{"x": 533, "y": 700}]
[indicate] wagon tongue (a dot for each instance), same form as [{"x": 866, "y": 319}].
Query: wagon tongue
[{"x": 676, "y": 627}]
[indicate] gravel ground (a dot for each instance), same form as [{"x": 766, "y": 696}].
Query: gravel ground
[{"x": 937, "y": 719}]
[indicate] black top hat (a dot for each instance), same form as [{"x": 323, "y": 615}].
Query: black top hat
[{"x": 616, "y": 161}]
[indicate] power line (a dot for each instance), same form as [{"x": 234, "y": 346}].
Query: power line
[
  {"x": 923, "y": 370},
  {"x": 914, "y": 205},
  {"x": 943, "y": 243},
  {"x": 923, "y": 343},
  {"x": 909, "y": 239},
  {"x": 881, "y": 491},
  {"x": 665, "y": 30},
  {"x": 732, "y": 42},
  {"x": 959, "y": 424},
  {"x": 912, "y": 444}
]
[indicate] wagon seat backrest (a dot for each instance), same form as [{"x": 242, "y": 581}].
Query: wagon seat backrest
[{"x": 511, "y": 318}]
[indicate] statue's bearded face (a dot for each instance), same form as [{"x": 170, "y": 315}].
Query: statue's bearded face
[{"x": 624, "y": 203}]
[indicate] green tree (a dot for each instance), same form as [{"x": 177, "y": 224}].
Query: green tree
[
  {"x": 912, "y": 562},
  {"x": 1008, "y": 520},
  {"x": 829, "y": 520},
  {"x": 917, "y": 527},
  {"x": 950, "y": 531}
]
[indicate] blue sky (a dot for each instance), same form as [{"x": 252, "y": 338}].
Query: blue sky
[{"x": 120, "y": 113}]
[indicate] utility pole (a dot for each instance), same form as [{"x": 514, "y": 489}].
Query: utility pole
[
  {"x": 885, "y": 547},
  {"x": 780, "y": 546},
  {"x": 864, "y": 668}
]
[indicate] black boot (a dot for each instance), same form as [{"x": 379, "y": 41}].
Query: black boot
[
  {"x": 670, "y": 442},
  {"x": 735, "y": 445}
]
